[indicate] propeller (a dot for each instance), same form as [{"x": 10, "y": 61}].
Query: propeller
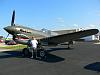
[
  {"x": 13, "y": 19},
  {"x": 12, "y": 23}
]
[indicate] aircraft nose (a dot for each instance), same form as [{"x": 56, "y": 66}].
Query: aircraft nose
[
  {"x": 8, "y": 29},
  {"x": 5, "y": 28}
]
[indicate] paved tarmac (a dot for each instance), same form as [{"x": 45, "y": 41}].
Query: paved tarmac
[{"x": 82, "y": 59}]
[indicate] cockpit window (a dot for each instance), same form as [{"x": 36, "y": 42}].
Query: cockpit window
[{"x": 46, "y": 31}]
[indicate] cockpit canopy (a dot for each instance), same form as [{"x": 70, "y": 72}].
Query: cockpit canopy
[{"x": 49, "y": 32}]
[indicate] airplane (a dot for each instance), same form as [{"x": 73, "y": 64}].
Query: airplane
[{"x": 44, "y": 37}]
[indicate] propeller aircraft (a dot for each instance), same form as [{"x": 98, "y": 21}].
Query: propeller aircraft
[{"x": 44, "y": 36}]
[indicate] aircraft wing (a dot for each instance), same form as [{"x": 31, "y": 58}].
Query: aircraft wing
[{"x": 70, "y": 36}]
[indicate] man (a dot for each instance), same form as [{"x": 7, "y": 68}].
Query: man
[{"x": 34, "y": 44}]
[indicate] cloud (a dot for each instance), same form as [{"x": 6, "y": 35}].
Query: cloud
[
  {"x": 60, "y": 20},
  {"x": 91, "y": 26},
  {"x": 76, "y": 25}
]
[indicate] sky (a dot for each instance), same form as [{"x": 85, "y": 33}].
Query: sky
[{"x": 51, "y": 14}]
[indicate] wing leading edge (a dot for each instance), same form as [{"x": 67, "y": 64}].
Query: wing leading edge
[{"x": 71, "y": 36}]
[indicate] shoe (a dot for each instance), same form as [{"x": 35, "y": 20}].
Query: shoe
[{"x": 31, "y": 56}]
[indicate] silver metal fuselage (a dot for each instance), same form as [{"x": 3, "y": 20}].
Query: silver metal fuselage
[{"x": 25, "y": 32}]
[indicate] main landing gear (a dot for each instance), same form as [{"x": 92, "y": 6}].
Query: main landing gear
[
  {"x": 40, "y": 53},
  {"x": 70, "y": 43}
]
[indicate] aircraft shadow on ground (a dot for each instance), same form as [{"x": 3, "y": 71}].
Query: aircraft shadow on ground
[
  {"x": 94, "y": 66},
  {"x": 50, "y": 57},
  {"x": 9, "y": 54},
  {"x": 57, "y": 49}
]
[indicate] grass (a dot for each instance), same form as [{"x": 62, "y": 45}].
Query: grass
[{"x": 14, "y": 47}]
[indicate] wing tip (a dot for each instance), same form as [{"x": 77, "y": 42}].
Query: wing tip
[{"x": 95, "y": 30}]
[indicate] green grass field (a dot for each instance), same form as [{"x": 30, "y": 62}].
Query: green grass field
[{"x": 14, "y": 47}]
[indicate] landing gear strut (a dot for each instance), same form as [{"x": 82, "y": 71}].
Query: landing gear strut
[{"x": 68, "y": 46}]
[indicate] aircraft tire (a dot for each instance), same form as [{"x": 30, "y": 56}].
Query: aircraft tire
[
  {"x": 26, "y": 52},
  {"x": 42, "y": 54}
]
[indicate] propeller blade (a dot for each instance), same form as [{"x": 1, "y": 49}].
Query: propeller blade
[
  {"x": 13, "y": 18},
  {"x": 7, "y": 37}
]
